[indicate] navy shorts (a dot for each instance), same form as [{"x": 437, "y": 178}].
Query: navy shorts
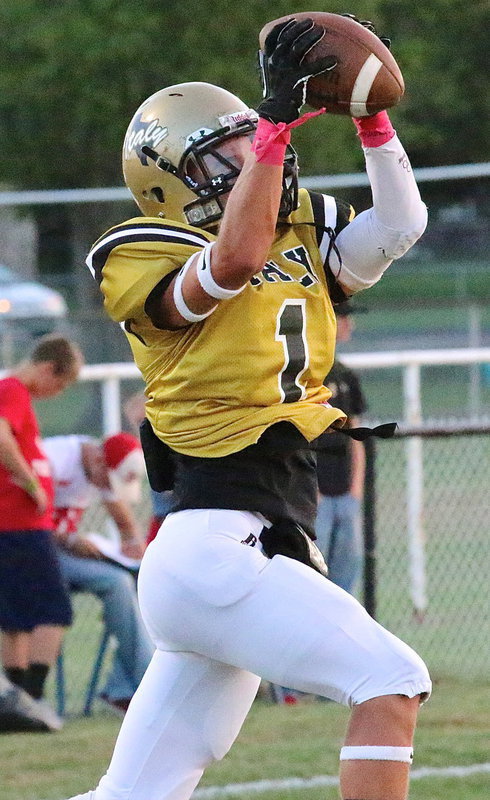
[{"x": 32, "y": 590}]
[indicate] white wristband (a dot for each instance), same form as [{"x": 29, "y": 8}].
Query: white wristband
[
  {"x": 377, "y": 753},
  {"x": 179, "y": 301},
  {"x": 205, "y": 277}
]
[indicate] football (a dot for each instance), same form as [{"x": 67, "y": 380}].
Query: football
[{"x": 367, "y": 78}]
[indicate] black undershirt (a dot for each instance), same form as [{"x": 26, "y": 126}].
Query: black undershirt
[{"x": 275, "y": 477}]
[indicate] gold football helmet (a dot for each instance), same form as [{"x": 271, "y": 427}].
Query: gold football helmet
[{"x": 165, "y": 149}]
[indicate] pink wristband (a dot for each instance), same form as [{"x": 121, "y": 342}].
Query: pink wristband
[
  {"x": 374, "y": 131},
  {"x": 271, "y": 140}
]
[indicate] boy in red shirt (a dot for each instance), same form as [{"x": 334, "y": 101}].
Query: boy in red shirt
[{"x": 34, "y": 604}]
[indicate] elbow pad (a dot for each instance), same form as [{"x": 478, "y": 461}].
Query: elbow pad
[
  {"x": 367, "y": 247},
  {"x": 395, "y": 242}
]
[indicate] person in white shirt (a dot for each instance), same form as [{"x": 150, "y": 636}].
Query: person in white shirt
[{"x": 83, "y": 471}]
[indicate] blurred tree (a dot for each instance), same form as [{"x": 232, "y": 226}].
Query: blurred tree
[
  {"x": 442, "y": 48},
  {"x": 72, "y": 73}
]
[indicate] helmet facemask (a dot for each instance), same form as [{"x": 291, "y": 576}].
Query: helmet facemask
[{"x": 211, "y": 184}]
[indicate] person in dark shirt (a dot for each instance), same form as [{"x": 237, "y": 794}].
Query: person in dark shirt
[{"x": 341, "y": 469}]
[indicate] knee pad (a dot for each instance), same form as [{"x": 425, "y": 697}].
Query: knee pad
[{"x": 377, "y": 753}]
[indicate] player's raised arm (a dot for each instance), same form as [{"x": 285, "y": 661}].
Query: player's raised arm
[
  {"x": 252, "y": 207},
  {"x": 398, "y": 217}
]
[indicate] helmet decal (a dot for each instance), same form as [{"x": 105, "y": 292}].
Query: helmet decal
[
  {"x": 196, "y": 135},
  {"x": 234, "y": 119},
  {"x": 141, "y": 133}
]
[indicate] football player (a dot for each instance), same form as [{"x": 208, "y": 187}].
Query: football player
[{"x": 226, "y": 289}]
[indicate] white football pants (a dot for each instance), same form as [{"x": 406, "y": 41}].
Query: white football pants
[{"x": 220, "y": 614}]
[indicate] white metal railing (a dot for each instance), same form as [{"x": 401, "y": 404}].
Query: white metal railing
[
  {"x": 348, "y": 179},
  {"x": 410, "y": 361}
]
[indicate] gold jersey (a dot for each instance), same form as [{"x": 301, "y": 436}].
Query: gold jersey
[{"x": 260, "y": 358}]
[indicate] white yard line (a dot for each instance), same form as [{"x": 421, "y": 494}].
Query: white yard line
[{"x": 261, "y": 787}]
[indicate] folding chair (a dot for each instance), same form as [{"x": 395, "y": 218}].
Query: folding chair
[{"x": 92, "y": 683}]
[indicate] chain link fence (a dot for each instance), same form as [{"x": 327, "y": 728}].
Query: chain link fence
[{"x": 451, "y": 627}]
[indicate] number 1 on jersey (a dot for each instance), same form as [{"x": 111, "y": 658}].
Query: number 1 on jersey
[{"x": 291, "y": 332}]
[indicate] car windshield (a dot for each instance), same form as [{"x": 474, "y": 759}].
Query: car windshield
[{"x": 6, "y": 276}]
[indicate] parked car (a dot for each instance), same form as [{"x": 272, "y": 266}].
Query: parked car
[{"x": 22, "y": 299}]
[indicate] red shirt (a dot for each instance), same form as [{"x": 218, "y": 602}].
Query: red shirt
[{"x": 17, "y": 509}]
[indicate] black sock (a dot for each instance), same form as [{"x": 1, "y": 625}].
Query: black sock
[
  {"x": 16, "y": 675},
  {"x": 35, "y": 679}
]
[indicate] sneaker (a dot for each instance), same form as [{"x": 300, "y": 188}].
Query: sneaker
[
  {"x": 118, "y": 706},
  {"x": 20, "y": 712}
]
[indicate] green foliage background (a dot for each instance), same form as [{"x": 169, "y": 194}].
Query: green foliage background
[{"x": 72, "y": 73}]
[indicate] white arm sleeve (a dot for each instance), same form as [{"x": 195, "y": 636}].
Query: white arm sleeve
[{"x": 376, "y": 237}]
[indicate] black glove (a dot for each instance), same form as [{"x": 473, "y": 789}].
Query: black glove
[
  {"x": 369, "y": 25},
  {"x": 284, "y": 73}
]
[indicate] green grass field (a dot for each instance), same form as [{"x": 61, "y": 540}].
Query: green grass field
[{"x": 277, "y": 742}]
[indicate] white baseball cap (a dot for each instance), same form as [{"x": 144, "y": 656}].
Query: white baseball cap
[{"x": 126, "y": 464}]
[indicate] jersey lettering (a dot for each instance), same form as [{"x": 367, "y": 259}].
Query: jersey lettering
[
  {"x": 271, "y": 272},
  {"x": 291, "y": 332},
  {"x": 300, "y": 256}
]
